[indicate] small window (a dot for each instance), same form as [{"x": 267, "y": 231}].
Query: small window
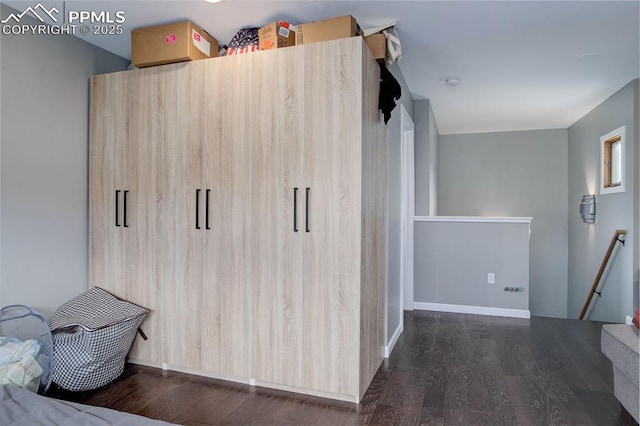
[{"x": 612, "y": 161}]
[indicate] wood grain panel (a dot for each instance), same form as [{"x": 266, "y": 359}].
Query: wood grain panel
[
  {"x": 142, "y": 281},
  {"x": 226, "y": 293},
  {"x": 373, "y": 223},
  {"x": 276, "y": 255},
  {"x": 182, "y": 267},
  {"x": 126, "y": 132},
  {"x": 331, "y": 251},
  {"x": 106, "y": 166}
]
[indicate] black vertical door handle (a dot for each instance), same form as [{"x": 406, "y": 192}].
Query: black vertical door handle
[
  {"x": 197, "y": 209},
  {"x": 206, "y": 217},
  {"x": 306, "y": 213},
  {"x": 295, "y": 209},
  {"x": 124, "y": 209},
  {"x": 117, "y": 207}
]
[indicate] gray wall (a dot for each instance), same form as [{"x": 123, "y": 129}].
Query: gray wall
[
  {"x": 588, "y": 242},
  {"x": 434, "y": 141},
  {"x": 43, "y": 168},
  {"x": 636, "y": 216},
  {"x": 394, "y": 191},
  {"x": 426, "y": 159},
  {"x": 452, "y": 260},
  {"x": 515, "y": 174}
]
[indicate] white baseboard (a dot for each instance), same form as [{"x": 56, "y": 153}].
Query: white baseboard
[
  {"x": 392, "y": 343},
  {"x": 477, "y": 310}
]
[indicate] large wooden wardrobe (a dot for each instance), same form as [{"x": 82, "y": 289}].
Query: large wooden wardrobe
[{"x": 242, "y": 200}]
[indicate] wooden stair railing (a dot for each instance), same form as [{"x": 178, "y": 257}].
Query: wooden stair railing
[{"x": 603, "y": 265}]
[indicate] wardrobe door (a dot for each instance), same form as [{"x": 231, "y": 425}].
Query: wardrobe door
[
  {"x": 185, "y": 124},
  {"x": 124, "y": 190},
  {"x": 226, "y": 293},
  {"x": 331, "y": 244},
  {"x": 141, "y": 209},
  {"x": 278, "y": 214},
  {"x": 107, "y": 142}
]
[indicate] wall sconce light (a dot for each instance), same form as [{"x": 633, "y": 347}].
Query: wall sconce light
[{"x": 588, "y": 208}]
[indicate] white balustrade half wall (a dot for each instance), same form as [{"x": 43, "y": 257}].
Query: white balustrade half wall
[{"x": 453, "y": 257}]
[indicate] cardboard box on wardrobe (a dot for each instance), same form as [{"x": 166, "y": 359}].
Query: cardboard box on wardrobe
[
  {"x": 328, "y": 29},
  {"x": 166, "y": 44},
  {"x": 378, "y": 45},
  {"x": 276, "y": 35}
]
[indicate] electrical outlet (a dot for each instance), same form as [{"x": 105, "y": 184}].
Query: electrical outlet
[
  {"x": 514, "y": 289},
  {"x": 491, "y": 278}
]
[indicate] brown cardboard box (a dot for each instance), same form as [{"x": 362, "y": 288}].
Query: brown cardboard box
[
  {"x": 276, "y": 35},
  {"x": 378, "y": 45},
  {"x": 165, "y": 44},
  {"x": 328, "y": 29}
]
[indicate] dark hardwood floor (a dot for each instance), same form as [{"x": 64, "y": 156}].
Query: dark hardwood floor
[{"x": 446, "y": 369}]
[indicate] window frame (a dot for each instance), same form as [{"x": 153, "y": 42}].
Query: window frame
[{"x": 606, "y": 143}]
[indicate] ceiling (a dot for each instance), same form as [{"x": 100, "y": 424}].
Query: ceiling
[{"x": 518, "y": 61}]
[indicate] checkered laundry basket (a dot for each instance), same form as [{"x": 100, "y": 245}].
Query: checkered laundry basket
[{"x": 92, "y": 334}]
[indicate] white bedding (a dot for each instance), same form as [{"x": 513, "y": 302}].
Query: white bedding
[
  {"x": 18, "y": 363},
  {"x": 19, "y": 407}
]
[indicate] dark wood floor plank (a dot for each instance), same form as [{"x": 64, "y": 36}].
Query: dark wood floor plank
[
  {"x": 545, "y": 347},
  {"x": 434, "y": 395},
  {"x": 589, "y": 330},
  {"x": 602, "y": 407},
  {"x": 580, "y": 359},
  {"x": 479, "y": 418},
  {"x": 138, "y": 401},
  {"x": 394, "y": 389},
  {"x": 554, "y": 405},
  {"x": 488, "y": 392},
  {"x": 590, "y": 355},
  {"x": 478, "y": 325},
  {"x": 212, "y": 409},
  {"x": 431, "y": 422},
  {"x": 526, "y": 409},
  {"x": 417, "y": 341},
  {"x": 446, "y": 369},
  {"x": 455, "y": 401},
  {"x": 369, "y": 402},
  {"x": 297, "y": 412},
  {"x": 259, "y": 410},
  {"x": 166, "y": 408},
  {"x": 514, "y": 347},
  {"x": 450, "y": 345},
  {"x": 578, "y": 415},
  {"x": 385, "y": 415}
]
